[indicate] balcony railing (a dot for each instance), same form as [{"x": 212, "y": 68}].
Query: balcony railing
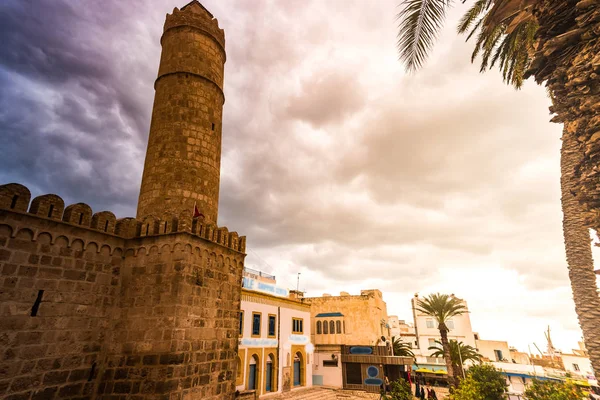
[{"x": 259, "y": 273}]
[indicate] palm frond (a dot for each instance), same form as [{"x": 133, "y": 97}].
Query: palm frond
[
  {"x": 475, "y": 28},
  {"x": 420, "y": 22},
  {"x": 503, "y": 37},
  {"x": 472, "y": 14}
]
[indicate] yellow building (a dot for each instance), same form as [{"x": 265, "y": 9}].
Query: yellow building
[{"x": 352, "y": 341}]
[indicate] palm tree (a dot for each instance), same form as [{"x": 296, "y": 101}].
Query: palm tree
[
  {"x": 443, "y": 307},
  {"x": 557, "y": 43},
  {"x": 459, "y": 353},
  {"x": 401, "y": 349}
]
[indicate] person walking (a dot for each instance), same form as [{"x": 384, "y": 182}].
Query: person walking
[
  {"x": 422, "y": 394},
  {"x": 386, "y": 382}
]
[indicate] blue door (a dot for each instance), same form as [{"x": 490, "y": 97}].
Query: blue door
[
  {"x": 252, "y": 377},
  {"x": 269, "y": 376},
  {"x": 296, "y": 372}
]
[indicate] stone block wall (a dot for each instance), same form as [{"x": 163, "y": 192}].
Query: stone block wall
[
  {"x": 183, "y": 160},
  {"x": 113, "y": 311}
]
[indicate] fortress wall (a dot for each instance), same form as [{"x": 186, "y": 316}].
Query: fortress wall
[
  {"x": 177, "y": 331},
  {"x": 129, "y": 309},
  {"x": 59, "y": 286}
]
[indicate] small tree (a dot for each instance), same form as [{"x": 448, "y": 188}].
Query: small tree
[
  {"x": 400, "y": 390},
  {"x": 491, "y": 381},
  {"x": 468, "y": 389},
  {"x": 553, "y": 390},
  {"x": 401, "y": 349},
  {"x": 483, "y": 382}
]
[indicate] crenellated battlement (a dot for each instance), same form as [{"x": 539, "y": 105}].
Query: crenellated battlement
[
  {"x": 195, "y": 15},
  {"x": 17, "y": 198}
]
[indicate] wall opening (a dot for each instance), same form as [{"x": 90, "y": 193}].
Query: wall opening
[
  {"x": 213, "y": 126},
  {"x": 80, "y": 218},
  {"x": 166, "y": 224},
  {"x": 106, "y": 226},
  {"x": 92, "y": 370},
  {"x": 13, "y": 203},
  {"x": 36, "y": 305},
  {"x": 50, "y": 209}
]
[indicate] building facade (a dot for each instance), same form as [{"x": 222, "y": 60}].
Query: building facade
[
  {"x": 493, "y": 350},
  {"x": 275, "y": 348},
  {"x": 403, "y": 331},
  {"x": 427, "y": 332},
  {"x": 147, "y": 307},
  {"x": 352, "y": 341}
]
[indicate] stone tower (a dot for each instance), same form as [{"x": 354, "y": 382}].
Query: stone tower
[
  {"x": 100, "y": 308},
  {"x": 184, "y": 147}
]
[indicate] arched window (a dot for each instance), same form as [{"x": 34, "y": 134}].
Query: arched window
[
  {"x": 338, "y": 326},
  {"x": 325, "y": 327},
  {"x": 318, "y": 327},
  {"x": 332, "y": 327}
]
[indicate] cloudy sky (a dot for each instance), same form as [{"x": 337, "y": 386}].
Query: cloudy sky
[{"x": 336, "y": 163}]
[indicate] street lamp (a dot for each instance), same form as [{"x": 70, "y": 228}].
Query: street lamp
[{"x": 460, "y": 358}]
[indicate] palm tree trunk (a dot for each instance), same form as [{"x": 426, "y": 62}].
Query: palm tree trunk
[
  {"x": 447, "y": 357},
  {"x": 578, "y": 249},
  {"x": 566, "y": 59}
]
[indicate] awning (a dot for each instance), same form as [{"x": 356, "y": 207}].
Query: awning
[{"x": 541, "y": 378}]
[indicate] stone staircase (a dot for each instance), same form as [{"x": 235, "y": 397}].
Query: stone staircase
[{"x": 321, "y": 393}]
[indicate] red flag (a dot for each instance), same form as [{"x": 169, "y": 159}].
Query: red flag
[{"x": 196, "y": 212}]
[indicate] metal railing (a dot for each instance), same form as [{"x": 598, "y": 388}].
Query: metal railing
[{"x": 259, "y": 273}]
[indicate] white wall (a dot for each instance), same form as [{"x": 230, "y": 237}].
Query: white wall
[
  {"x": 584, "y": 364},
  {"x": 288, "y": 338},
  {"x": 487, "y": 348},
  {"x": 332, "y": 376},
  {"x": 461, "y": 330}
]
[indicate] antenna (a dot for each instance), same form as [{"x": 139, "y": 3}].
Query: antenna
[{"x": 298, "y": 282}]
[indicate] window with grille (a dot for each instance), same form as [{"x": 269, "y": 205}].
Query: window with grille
[
  {"x": 255, "y": 324},
  {"x": 297, "y": 325}
]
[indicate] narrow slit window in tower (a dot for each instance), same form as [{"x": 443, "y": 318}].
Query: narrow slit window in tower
[
  {"x": 106, "y": 226},
  {"x": 80, "y": 218},
  {"x": 50, "y": 210},
  {"x": 13, "y": 204},
  {"x": 166, "y": 224},
  {"x": 36, "y": 305},
  {"x": 213, "y": 126},
  {"x": 92, "y": 370}
]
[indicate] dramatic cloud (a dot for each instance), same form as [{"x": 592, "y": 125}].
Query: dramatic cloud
[{"x": 336, "y": 164}]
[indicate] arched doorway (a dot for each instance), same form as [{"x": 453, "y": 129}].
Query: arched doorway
[
  {"x": 298, "y": 369},
  {"x": 269, "y": 374},
  {"x": 253, "y": 373}
]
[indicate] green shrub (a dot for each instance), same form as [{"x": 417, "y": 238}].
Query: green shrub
[
  {"x": 483, "y": 382},
  {"x": 400, "y": 390},
  {"x": 553, "y": 390},
  {"x": 468, "y": 389}
]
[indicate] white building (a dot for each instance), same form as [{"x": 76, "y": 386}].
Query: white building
[
  {"x": 494, "y": 350},
  {"x": 402, "y": 330},
  {"x": 275, "y": 350},
  {"x": 427, "y": 332},
  {"x": 579, "y": 366}
]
